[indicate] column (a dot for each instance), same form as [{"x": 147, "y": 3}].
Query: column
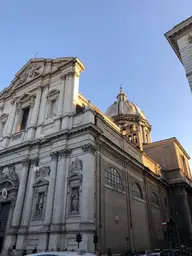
[
  {"x": 11, "y": 118},
  {"x": 42, "y": 111},
  {"x": 60, "y": 187},
  {"x": 29, "y": 194},
  {"x": 21, "y": 193},
  {"x": 51, "y": 189},
  {"x": 60, "y": 103},
  {"x": 31, "y": 131}
]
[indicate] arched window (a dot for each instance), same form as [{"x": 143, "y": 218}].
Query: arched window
[
  {"x": 154, "y": 199},
  {"x": 137, "y": 192},
  {"x": 113, "y": 179}
]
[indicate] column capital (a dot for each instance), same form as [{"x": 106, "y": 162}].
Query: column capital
[
  {"x": 89, "y": 148},
  {"x": 63, "y": 76},
  {"x": 54, "y": 155},
  {"x": 26, "y": 161},
  {"x": 64, "y": 153},
  {"x": 34, "y": 161}
]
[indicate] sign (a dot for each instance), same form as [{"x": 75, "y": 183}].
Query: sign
[
  {"x": 164, "y": 223},
  {"x": 4, "y": 193}
]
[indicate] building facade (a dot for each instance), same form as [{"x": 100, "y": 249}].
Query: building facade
[
  {"x": 180, "y": 39},
  {"x": 65, "y": 167}
]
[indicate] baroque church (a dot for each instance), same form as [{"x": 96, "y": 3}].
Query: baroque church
[{"x": 66, "y": 167}]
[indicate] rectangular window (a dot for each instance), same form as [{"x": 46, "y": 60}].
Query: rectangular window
[{"x": 24, "y": 119}]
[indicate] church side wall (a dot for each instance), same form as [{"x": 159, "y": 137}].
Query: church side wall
[{"x": 136, "y": 222}]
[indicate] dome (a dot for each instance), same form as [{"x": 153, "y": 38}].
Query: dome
[{"x": 124, "y": 107}]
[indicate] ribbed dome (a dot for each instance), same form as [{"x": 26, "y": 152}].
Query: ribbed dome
[{"x": 124, "y": 107}]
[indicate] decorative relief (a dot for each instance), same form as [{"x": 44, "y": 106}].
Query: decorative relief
[
  {"x": 64, "y": 153},
  {"x": 53, "y": 95},
  {"x": 89, "y": 148},
  {"x": 76, "y": 166},
  {"x": 54, "y": 155},
  {"x": 25, "y": 100},
  {"x": 4, "y": 117},
  {"x": 35, "y": 161},
  {"x": 26, "y": 161},
  {"x": 12, "y": 174},
  {"x": 9, "y": 179},
  {"x": 30, "y": 73},
  {"x": 43, "y": 172}
]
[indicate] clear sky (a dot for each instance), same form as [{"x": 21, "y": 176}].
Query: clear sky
[{"x": 119, "y": 41}]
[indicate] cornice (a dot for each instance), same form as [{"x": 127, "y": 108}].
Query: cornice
[
  {"x": 173, "y": 34},
  {"x": 50, "y": 138}
]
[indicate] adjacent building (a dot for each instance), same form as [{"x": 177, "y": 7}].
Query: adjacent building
[
  {"x": 66, "y": 167},
  {"x": 180, "y": 39}
]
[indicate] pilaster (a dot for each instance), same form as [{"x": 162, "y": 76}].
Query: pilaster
[
  {"x": 51, "y": 189},
  {"x": 60, "y": 186},
  {"x": 21, "y": 193},
  {"x": 29, "y": 194},
  {"x": 34, "y": 116},
  {"x": 88, "y": 183},
  {"x": 42, "y": 111},
  {"x": 60, "y": 102}
]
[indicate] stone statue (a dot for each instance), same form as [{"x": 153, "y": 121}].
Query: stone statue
[
  {"x": 75, "y": 200},
  {"x": 12, "y": 173},
  {"x": 76, "y": 166},
  {"x": 39, "y": 205}
]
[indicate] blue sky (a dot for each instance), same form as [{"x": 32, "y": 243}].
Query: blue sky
[{"x": 119, "y": 41}]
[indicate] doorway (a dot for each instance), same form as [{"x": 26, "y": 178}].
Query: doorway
[{"x": 4, "y": 213}]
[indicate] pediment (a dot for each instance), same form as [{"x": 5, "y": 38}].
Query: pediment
[
  {"x": 25, "y": 97},
  {"x": 41, "y": 182},
  {"x": 37, "y": 67}
]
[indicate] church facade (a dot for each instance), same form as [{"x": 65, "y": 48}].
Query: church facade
[{"x": 66, "y": 167}]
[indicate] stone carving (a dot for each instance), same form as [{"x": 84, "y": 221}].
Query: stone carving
[
  {"x": 39, "y": 205},
  {"x": 27, "y": 99},
  {"x": 35, "y": 161},
  {"x": 10, "y": 179},
  {"x": 64, "y": 153},
  {"x": 75, "y": 199},
  {"x": 89, "y": 148},
  {"x": 54, "y": 155},
  {"x": 30, "y": 73},
  {"x": 4, "y": 117},
  {"x": 1, "y": 173},
  {"x": 43, "y": 172},
  {"x": 25, "y": 161},
  {"x": 12, "y": 174},
  {"x": 76, "y": 166}
]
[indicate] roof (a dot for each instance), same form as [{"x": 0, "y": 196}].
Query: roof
[
  {"x": 173, "y": 139},
  {"x": 178, "y": 30}
]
